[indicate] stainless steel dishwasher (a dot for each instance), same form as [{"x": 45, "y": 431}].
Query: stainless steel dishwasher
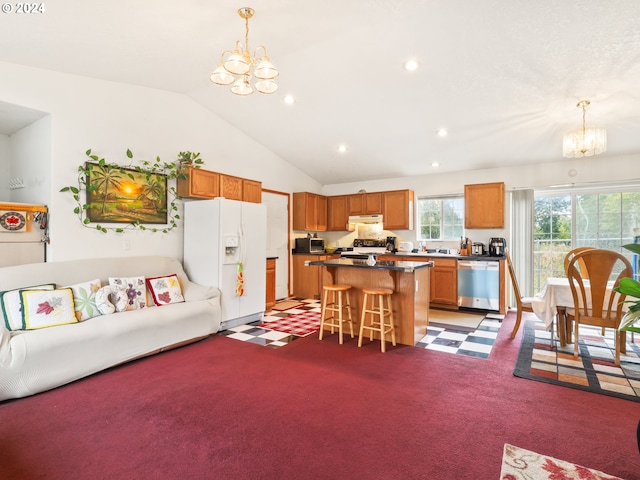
[{"x": 479, "y": 284}]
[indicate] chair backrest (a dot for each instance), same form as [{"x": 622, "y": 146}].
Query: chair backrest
[
  {"x": 592, "y": 277},
  {"x": 573, "y": 253},
  {"x": 514, "y": 281}
]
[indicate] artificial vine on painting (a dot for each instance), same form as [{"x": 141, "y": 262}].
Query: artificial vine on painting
[{"x": 135, "y": 195}]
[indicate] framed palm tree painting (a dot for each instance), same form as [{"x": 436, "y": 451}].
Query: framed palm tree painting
[{"x": 124, "y": 195}]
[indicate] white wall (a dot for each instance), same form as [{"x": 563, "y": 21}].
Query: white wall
[
  {"x": 4, "y": 168},
  {"x": 30, "y": 161},
  {"x": 110, "y": 118}
]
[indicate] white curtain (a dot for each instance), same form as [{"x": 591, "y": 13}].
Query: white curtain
[{"x": 521, "y": 250}]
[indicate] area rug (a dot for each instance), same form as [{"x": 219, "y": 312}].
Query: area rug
[
  {"x": 299, "y": 324},
  {"x": 593, "y": 371},
  {"x": 287, "y": 305},
  {"x": 518, "y": 463}
]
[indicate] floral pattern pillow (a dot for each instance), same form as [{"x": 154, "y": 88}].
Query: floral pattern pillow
[
  {"x": 84, "y": 299},
  {"x": 47, "y": 308},
  {"x": 12, "y": 306},
  {"x": 165, "y": 290},
  {"x": 136, "y": 291}
]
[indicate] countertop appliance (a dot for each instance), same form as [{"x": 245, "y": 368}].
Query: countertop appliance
[
  {"x": 478, "y": 248},
  {"x": 225, "y": 246},
  {"x": 391, "y": 244},
  {"x": 479, "y": 284},
  {"x": 405, "y": 247},
  {"x": 497, "y": 247},
  {"x": 309, "y": 245}
]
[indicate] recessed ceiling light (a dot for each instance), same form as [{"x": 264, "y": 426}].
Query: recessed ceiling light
[
  {"x": 435, "y": 164},
  {"x": 442, "y": 132},
  {"x": 342, "y": 148},
  {"x": 411, "y": 65},
  {"x": 289, "y": 100}
]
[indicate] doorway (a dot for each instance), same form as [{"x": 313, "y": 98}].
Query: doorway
[{"x": 277, "y": 204}]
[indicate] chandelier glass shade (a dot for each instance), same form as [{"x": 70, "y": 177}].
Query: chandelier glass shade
[
  {"x": 238, "y": 67},
  {"x": 586, "y": 141}
]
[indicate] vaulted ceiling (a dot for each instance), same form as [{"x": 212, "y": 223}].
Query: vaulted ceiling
[{"x": 502, "y": 76}]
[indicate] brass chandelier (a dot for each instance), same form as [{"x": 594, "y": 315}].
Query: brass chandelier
[
  {"x": 236, "y": 68},
  {"x": 584, "y": 142}
]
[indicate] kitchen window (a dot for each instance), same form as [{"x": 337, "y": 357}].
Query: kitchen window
[
  {"x": 562, "y": 221},
  {"x": 440, "y": 218}
]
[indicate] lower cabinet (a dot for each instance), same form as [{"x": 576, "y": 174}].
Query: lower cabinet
[
  {"x": 271, "y": 285},
  {"x": 444, "y": 282},
  {"x": 307, "y": 281}
]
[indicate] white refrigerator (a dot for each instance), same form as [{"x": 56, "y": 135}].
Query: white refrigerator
[{"x": 225, "y": 246}]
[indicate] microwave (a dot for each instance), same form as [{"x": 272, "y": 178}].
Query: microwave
[{"x": 309, "y": 245}]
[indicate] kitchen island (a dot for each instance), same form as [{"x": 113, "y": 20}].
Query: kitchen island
[{"x": 408, "y": 280}]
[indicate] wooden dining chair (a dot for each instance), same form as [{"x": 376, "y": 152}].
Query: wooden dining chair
[
  {"x": 592, "y": 275},
  {"x": 522, "y": 304},
  {"x": 570, "y": 254}
]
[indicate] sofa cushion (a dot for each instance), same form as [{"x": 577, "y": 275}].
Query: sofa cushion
[
  {"x": 47, "y": 308},
  {"x": 12, "y": 308},
  {"x": 84, "y": 299},
  {"x": 136, "y": 290},
  {"x": 165, "y": 290}
]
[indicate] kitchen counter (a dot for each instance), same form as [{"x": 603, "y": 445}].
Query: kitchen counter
[
  {"x": 447, "y": 255},
  {"x": 408, "y": 280}
]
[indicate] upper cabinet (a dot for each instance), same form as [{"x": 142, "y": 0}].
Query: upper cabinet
[
  {"x": 484, "y": 205},
  {"x": 397, "y": 211},
  {"x": 309, "y": 212},
  {"x": 313, "y": 212},
  {"x": 199, "y": 183},
  {"x": 337, "y": 213}
]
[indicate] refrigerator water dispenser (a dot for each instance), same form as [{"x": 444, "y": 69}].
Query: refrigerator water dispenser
[{"x": 231, "y": 249}]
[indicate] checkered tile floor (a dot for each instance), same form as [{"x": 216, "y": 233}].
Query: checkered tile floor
[{"x": 460, "y": 341}]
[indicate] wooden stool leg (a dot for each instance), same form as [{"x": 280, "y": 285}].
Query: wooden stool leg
[
  {"x": 382, "y": 334},
  {"x": 340, "y": 317},
  {"x": 323, "y": 312},
  {"x": 393, "y": 326},
  {"x": 349, "y": 314},
  {"x": 362, "y": 317}
]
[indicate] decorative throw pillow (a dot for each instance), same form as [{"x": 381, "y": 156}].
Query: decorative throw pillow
[
  {"x": 111, "y": 298},
  {"x": 136, "y": 291},
  {"x": 84, "y": 299},
  {"x": 165, "y": 289},
  {"x": 47, "y": 308},
  {"x": 12, "y": 308}
]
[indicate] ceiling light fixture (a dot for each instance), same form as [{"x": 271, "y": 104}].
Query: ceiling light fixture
[
  {"x": 584, "y": 142},
  {"x": 239, "y": 66},
  {"x": 289, "y": 100},
  {"x": 442, "y": 132},
  {"x": 411, "y": 65},
  {"x": 342, "y": 148}
]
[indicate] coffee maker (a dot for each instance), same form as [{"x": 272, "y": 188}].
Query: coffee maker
[
  {"x": 391, "y": 244},
  {"x": 497, "y": 247}
]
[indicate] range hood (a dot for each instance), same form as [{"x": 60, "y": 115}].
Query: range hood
[{"x": 367, "y": 219}]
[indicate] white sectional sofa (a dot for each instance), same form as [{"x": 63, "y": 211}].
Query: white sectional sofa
[{"x": 32, "y": 361}]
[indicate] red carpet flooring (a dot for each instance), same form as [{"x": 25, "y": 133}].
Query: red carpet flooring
[{"x": 311, "y": 410}]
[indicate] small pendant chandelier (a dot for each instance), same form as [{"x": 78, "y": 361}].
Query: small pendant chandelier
[
  {"x": 585, "y": 142},
  {"x": 239, "y": 66}
]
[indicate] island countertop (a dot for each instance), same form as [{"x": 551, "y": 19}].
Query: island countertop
[{"x": 396, "y": 265}]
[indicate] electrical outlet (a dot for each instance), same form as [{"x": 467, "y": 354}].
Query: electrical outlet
[{"x": 126, "y": 245}]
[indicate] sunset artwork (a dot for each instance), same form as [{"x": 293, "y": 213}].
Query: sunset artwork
[{"x": 124, "y": 195}]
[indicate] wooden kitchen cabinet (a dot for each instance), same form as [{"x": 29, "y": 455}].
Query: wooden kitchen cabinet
[
  {"x": 198, "y": 183},
  {"x": 337, "y": 215},
  {"x": 307, "y": 281},
  {"x": 309, "y": 212},
  {"x": 444, "y": 282},
  {"x": 397, "y": 210},
  {"x": 484, "y": 205},
  {"x": 270, "y": 296},
  {"x": 231, "y": 187},
  {"x": 251, "y": 191},
  {"x": 364, "y": 204}
]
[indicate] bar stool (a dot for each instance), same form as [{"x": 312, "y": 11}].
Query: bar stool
[
  {"x": 378, "y": 324},
  {"x": 336, "y": 308}
]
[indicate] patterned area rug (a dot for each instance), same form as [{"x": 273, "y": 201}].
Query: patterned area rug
[
  {"x": 593, "y": 371},
  {"x": 518, "y": 463},
  {"x": 300, "y": 324}
]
